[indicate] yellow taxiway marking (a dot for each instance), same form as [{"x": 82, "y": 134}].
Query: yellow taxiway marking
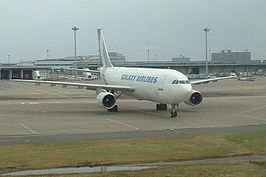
[
  {"x": 146, "y": 112},
  {"x": 252, "y": 117},
  {"x": 240, "y": 114},
  {"x": 150, "y": 113},
  {"x": 122, "y": 123},
  {"x": 36, "y": 93},
  {"x": 27, "y": 128},
  {"x": 250, "y": 110},
  {"x": 47, "y": 92}
]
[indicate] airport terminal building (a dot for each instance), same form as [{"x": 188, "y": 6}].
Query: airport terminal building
[{"x": 225, "y": 61}]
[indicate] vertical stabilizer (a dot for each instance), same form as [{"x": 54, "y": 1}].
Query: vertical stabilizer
[{"x": 104, "y": 56}]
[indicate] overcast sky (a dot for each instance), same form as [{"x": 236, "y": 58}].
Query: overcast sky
[{"x": 167, "y": 27}]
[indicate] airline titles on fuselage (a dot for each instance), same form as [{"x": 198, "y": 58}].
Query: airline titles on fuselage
[{"x": 137, "y": 78}]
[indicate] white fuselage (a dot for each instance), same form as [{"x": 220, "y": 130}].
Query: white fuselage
[{"x": 150, "y": 84}]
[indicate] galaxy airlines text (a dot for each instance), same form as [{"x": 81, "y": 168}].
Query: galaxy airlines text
[{"x": 148, "y": 79}]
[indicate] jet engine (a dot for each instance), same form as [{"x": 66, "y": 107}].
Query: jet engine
[
  {"x": 106, "y": 99},
  {"x": 195, "y": 99}
]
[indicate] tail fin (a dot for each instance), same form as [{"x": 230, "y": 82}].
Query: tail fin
[{"x": 104, "y": 56}]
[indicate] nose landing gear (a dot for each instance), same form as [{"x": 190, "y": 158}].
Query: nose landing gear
[
  {"x": 163, "y": 107},
  {"x": 173, "y": 112}
]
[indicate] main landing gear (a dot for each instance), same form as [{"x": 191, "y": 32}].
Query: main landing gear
[
  {"x": 113, "y": 109},
  {"x": 173, "y": 112},
  {"x": 161, "y": 107},
  {"x": 116, "y": 95}
]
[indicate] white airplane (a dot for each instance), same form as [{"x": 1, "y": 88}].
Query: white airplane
[
  {"x": 162, "y": 86},
  {"x": 87, "y": 73}
]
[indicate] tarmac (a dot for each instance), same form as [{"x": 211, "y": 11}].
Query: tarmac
[{"x": 28, "y": 110}]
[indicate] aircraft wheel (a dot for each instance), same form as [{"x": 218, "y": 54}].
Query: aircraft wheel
[
  {"x": 161, "y": 107},
  {"x": 164, "y": 106},
  {"x": 173, "y": 114},
  {"x": 113, "y": 109},
  {"x": 158, "y": 107}
]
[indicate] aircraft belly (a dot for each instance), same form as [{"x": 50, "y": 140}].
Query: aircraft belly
[
  {"x": 171, "y": 96},
  {"x": 168, "y": 98},
  {"x": 145, "y": 93}
]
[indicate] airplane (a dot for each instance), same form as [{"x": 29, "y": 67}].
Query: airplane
[
  {"x": 162, "y": 86},
  {"x": 87, "y": 73},
  {"x": 81, "y": 70}
]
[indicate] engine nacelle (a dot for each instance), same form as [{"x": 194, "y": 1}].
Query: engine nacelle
[
  {"x": 195, "y": 99},
  {"x": 106, "y": 99}
]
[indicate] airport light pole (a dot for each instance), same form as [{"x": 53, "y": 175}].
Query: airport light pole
[
  {"x": 210, "y": 54},
  {"x": 206, "y": 30},
  {"x": 148, "y": 51},
  {"x": 8, "y": 56},
  {"x": 47, "y": 53},
  {"x": 75, "y": 48}
]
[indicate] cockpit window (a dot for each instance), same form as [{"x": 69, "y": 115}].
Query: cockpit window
[
  {"x": 175, "y": 82},
  {"x": 181, "y": 82}
]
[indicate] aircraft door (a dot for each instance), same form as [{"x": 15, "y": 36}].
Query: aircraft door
[{"x": 161, "y": 83}]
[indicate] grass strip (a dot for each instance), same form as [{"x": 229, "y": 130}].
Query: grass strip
[{"x": 128, "y": 151}]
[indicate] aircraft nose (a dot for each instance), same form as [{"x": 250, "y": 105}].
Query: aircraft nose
[{"x": 187, "y": 89}]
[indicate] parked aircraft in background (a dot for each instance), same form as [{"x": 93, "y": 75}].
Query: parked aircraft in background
[
  {"x": 162, "y": 86},
  {"x": 87, "y": 73}
]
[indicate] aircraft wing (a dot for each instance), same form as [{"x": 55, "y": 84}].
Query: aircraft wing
[
  {"x": 80, "y": 85},
  {"x": 81, "y": 70},
  {"x": 206, "y": 81}
]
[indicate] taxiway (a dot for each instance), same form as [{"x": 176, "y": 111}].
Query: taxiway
[{"x": 29, "y": 110}]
